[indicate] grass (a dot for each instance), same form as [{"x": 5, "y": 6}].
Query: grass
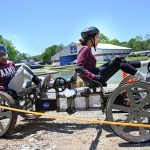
[
  {"x": 139, "y": 58},
  {"x": 61, "y": 68}
]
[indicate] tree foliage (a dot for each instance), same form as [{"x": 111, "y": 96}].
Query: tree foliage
[
  {"x": 138, "y": 43},
  {"x": 12, "y": 52},
  {"x": 50, "y": 51},
  {"x": 114, "y": 42},
  {"x": 103, "y": 38}
]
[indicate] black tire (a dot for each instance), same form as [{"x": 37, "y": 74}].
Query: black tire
[{"x": 8, "y": 118}]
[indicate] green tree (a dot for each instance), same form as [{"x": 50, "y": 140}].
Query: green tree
[
  {"x": 124, "y": 44},
  {"x": 103, "y": 38},
  {"x": 35, "y": 58},
  {"x": 114, "y": 41},
  {"x": 50, "y": 51},
  {"x": 131, "y": 43},
  {"x": 146, "y": 43}
]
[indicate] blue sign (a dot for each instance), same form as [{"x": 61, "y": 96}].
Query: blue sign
[{"x": 73, "y": 49}]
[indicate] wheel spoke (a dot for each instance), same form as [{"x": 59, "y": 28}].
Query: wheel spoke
[
  {"x": 142, "y": 130},
  {"x": 130, "y": 95},
  {"x": 121, "y": 108},
  {"x": 145, "y": 113},
  {"x": 145, "y": 101},
  {"x": 127, "y": 120}
]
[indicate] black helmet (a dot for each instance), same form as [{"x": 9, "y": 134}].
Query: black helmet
[
  {"x": 87, "y": 32},
  {"x": 3, "y": 49}
]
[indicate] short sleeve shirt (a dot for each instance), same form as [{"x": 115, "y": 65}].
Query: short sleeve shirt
[{"x": 7, "y": 71}]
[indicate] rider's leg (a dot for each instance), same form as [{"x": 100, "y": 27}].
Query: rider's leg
[
  {"x": 131, "y": 69},
  {"x": 17, "y": 81},
  {"x": 109, "y": 69},
  {"x": 28, "y": 73},
  {"x": 139, "y": 64}
]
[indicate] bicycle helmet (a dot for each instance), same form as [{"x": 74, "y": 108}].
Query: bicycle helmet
[
  {"x": 88, "y": 32},
  {"x": 3, "y": 49}
]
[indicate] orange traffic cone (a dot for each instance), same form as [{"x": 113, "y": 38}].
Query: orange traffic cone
[{"x": 124, "y": 74}]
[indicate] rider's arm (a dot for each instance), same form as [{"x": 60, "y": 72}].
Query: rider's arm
[{"x": 85, "y": 62}]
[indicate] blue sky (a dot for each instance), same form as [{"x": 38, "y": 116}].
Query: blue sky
[{"x": 33, "y": 25}]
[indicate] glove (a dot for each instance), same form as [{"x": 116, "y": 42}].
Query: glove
[
  {"x": 80, "y": 69},
  {"x": 98, "y": 78}
]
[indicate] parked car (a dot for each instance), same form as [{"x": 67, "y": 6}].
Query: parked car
[
  {"x": 139, "y": 53},
  {"x": 133, "y": 54},
  {"x": 31, "y": 63}
]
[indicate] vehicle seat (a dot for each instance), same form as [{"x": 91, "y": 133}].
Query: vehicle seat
[
  {"x": 88, "y": 82},
  {"x": 91, "y": 83}
]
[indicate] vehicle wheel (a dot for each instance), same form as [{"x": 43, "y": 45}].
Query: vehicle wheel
[
  {"x": 137, "y": 110},
  {"x": 8, "y": 118},
  {"x": 29, "y": 105}
]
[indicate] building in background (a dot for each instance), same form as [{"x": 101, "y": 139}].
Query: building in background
[{"x": 104, "y": 52}]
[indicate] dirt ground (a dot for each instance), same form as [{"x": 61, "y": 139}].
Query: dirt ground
[{"x": 58, "y": 134}]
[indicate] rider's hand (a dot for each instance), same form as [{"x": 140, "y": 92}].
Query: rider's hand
[
  {"x": 80, "y": 69},
  {"x": 98, "y": 78}
]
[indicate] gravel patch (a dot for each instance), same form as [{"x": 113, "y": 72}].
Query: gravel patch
[{"x": 58, "y": 134}]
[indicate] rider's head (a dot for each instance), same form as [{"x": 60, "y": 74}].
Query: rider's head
[
  {"x": 3, "y": 54},
  {"x": 90, "y": 34}
]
